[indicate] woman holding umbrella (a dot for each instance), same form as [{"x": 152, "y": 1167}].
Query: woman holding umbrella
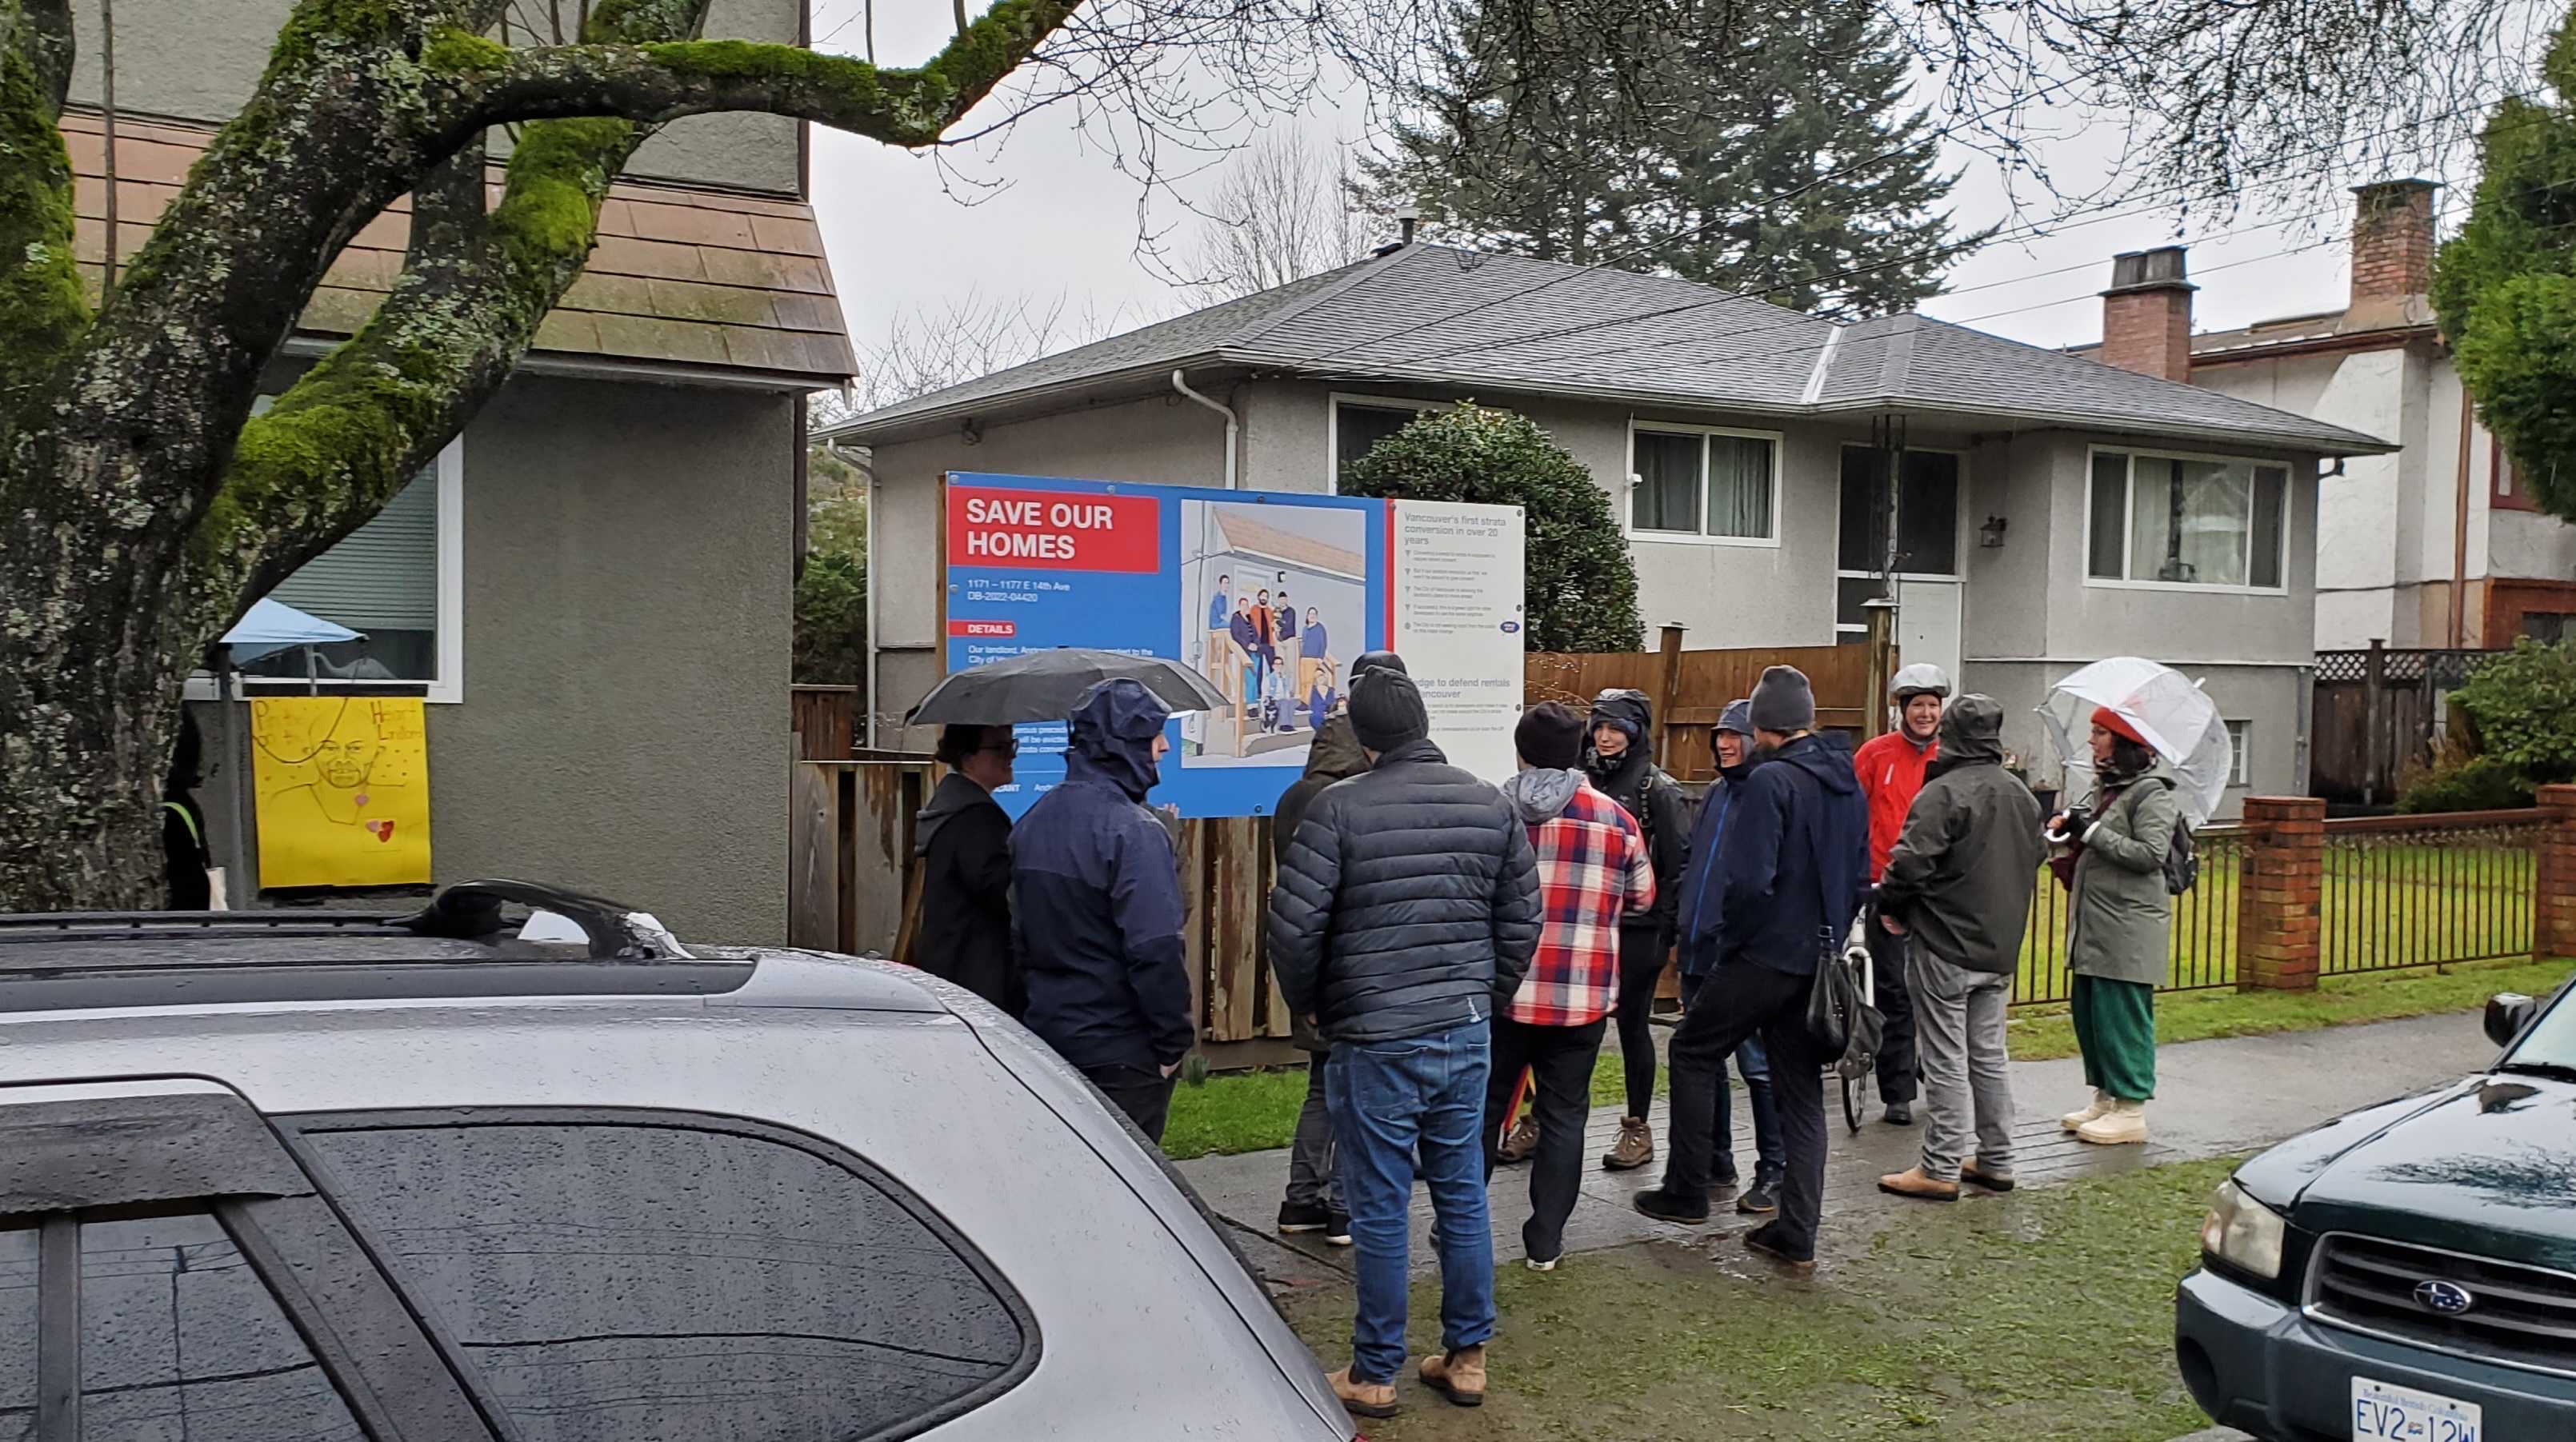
[{"x": 2112, "y": 855}]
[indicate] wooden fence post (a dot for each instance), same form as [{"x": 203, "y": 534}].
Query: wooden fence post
[
  {"x": 2553, "y": 891},
  {"x": 2280, "y": 910},
  {"x": 2374, "y": 722},
  {"x": 1668, "y": 693},
  {"x": 1882, "y": 665}
]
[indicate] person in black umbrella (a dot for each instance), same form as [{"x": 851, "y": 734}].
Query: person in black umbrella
[{"x": 963, "y": 838}]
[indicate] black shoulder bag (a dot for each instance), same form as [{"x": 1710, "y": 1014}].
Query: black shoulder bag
[{"x": 1840, "y": 1019}]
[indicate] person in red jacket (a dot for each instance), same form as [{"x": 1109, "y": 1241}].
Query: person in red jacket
[{"x": 1891, "y": 770}]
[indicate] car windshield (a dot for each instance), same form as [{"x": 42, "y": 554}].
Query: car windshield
[{"x": 2551, "y": 1043}]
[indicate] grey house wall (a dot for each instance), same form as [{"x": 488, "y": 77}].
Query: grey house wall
[
  {"x": 198, "y": 59},
  {"x": 627, "y": 553}
]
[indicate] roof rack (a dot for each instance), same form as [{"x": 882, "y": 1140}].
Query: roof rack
[{"x": 465, "y": 911}]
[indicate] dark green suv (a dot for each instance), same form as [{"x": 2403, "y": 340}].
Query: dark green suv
[{"x": 2407, "y": 1271}]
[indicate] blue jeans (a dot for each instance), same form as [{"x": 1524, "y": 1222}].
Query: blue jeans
[
  {"x": 1390, "y": 1100},
  {"x": 1755, "y": 1066}
]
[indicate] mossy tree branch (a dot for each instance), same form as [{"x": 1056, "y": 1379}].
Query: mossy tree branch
[
  {"x": 42, "y": 306},
  {"x": 659, "y": 82}
]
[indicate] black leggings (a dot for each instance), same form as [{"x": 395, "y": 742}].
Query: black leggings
[{"x": 1641, "y": 966}]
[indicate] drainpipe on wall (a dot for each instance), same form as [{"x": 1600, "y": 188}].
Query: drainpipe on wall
[
  {"x": 2460, "y": 534},
  {"x": 1180, "y": 382}
]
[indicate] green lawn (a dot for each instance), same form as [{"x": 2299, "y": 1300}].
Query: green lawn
[
  {"x": 1255, "y": 1111},
  {"x": 2044, "y": 1314}
]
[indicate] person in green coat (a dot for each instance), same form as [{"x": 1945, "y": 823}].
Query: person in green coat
[{"x": 2118, "y": 940}]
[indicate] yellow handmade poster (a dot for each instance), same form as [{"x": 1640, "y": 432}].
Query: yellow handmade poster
[{"x": 343, "y": 784}]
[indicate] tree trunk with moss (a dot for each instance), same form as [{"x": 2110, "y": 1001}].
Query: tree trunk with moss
[{"x": 143, "y": 508}]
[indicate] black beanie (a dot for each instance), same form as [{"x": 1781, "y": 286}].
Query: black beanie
[
  {"x": 1377, "y": 661},
  {"x": 1550, "y": 736},
  {"x": 1386, "y": 710}
]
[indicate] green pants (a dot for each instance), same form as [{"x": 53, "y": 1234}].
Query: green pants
[{"x": 2115, "y": 1029}]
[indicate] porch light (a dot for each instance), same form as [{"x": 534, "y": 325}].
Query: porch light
[{"x": 1991, "y": 534}]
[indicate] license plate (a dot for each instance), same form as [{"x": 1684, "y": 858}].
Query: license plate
[{"x": 2382, "y": 1413}]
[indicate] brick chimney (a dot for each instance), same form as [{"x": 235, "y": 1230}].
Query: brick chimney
[
  {"x": 2146, "y": 314},
  {"x": 2392, "y": 240}
]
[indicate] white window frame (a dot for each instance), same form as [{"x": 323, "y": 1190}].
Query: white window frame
[
  {"x": 449, "y": 688},
  {"x": 2240, "y": 753},
  {"x": 2289, "y": 517},
  {"x": 1333, "y": 402},
  {"x": 1958, "y": 544},
  {"x": 1627, "y": 497}
]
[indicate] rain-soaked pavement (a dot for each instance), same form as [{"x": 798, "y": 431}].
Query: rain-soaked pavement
[{"x": 2213, "y": 1098}]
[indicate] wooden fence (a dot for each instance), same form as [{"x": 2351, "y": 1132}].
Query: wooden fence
[
  {"x": 2375, "y": 711},
  {"x": 824, "y": 721},
  {"x": 1691, "y": 688}
]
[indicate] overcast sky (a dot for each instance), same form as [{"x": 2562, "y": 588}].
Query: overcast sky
[{"x": 1064, "y": 223}]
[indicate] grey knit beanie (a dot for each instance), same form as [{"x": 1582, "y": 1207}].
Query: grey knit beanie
[{"x": 1783, "y": 701}]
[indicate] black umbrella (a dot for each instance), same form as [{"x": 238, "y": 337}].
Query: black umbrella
[{"x": 1043, "y": 685}]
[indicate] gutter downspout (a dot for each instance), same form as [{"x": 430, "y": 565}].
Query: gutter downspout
[
  {"x": 2460, "y": 534},
  {"x": 1180, "y": 382}
]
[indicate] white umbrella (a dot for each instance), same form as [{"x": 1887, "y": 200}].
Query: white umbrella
[{"x": 2166, "y": 708}]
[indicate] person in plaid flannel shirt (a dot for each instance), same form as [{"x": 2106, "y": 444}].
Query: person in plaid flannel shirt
[{"x": 1593, "y": 870}]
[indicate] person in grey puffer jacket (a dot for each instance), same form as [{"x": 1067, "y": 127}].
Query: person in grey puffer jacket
[
  {"x": 1404, "y": 917},
  {"x": 1959, "y": 881}
]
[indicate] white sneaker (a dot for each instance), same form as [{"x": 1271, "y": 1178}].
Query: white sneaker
[
  {"x": 2074, "y": 1121},
  {"x": 1549, "y": 1265},
  {"x": 2124, "y": 1124}
]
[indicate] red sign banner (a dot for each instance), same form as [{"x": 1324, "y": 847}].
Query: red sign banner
[
  {"x": 1003, "y": 629},
  {"x": 1053, "y": 530}
]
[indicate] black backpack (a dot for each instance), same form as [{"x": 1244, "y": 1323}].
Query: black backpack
[{"x": 2182, "y": 854}]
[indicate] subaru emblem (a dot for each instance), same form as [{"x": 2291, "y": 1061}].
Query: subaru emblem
[{"x": 2443, "y": 1297}]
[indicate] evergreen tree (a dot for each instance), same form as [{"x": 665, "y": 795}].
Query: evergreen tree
[
  {"x": 1699, "y": 151},
  {"x": 1579, "y": 589}
]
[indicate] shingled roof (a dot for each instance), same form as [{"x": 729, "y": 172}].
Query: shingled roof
[
  {"x": 1438, "y": 315},
  {"x": 697, "y": 277}
]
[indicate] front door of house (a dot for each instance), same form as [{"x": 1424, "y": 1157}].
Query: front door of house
[{"x": 1921, "y": 572}]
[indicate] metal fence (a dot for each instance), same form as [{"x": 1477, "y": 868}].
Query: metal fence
[
  {"x": 2403, "y": 891},
  {"x": 2203, "y": 936},
  {"x": 2396, "y": 892}
]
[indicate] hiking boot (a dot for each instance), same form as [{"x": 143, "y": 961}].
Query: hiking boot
[
  {"x": 1459, "y": 1376},
  {"x": 1761, "y": 1239},
  {"x": 1523, "y": 1141},
  {"x": 1898, "y": 1114},
  {"x": 1975, "y": 1171},
  {"x": 1296, "y": 1217},
  {"x": 1666, "y": 1206},
  {"x": 1912, "y": 1182},
  {"x": 1764, "y": 1197},
  {"x": 2124, "y": 1124},
  {"x": 2074, "y": 1121},
  {"x": 1363, "y": 1399},
  {"x": 1635, "y": 1147},
  {"x": 1337, "y": 1227}
]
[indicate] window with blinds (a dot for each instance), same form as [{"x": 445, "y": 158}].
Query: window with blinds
[{"x": 380, "y": 581}]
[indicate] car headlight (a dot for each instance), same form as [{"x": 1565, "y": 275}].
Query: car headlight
[{"x": 2244, "y": 1233}]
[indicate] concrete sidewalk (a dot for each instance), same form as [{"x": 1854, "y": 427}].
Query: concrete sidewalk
[{"x": 2213, "y": 1098}]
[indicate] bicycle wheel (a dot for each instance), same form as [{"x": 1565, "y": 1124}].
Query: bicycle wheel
[{"x": 1852, "y": 1102}]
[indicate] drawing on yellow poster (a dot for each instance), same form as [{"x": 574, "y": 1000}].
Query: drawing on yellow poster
[{"x": 343, "y": 785}]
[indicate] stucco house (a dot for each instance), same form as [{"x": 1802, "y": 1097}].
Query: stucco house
[
  {"x": 2434, "y": 544},
  {"x": 2049, "y": 511},
  {"x": 591, "y": 588}
]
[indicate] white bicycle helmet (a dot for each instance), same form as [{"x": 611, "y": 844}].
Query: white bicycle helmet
[{"x": 1920, "y": 679}]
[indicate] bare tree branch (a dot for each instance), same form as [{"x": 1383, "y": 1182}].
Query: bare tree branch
[{"x": 1284, "y": 212}]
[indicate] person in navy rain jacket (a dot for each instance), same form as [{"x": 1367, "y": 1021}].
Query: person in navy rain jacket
[{"x": 1097, "y": 908}]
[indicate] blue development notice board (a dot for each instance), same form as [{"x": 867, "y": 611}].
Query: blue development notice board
[{"x": 1268, "y": 596}]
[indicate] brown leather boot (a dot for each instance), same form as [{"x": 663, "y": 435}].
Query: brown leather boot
[
  {"x": 1635, "y": 1147},
  {"x": 1912, "y": 1182},
  {"x": 1523, "y": 1141},
  {"x": 1459, "y": 1376},
  {"x": 1363, "y": 1399}
]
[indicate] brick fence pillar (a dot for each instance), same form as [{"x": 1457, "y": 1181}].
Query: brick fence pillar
[
  {"x": 2280, "y": 916},
  {"x": 2553, "y": 890}
]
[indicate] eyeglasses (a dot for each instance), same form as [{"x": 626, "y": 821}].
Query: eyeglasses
[{"x": 1010, "y": 748}]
